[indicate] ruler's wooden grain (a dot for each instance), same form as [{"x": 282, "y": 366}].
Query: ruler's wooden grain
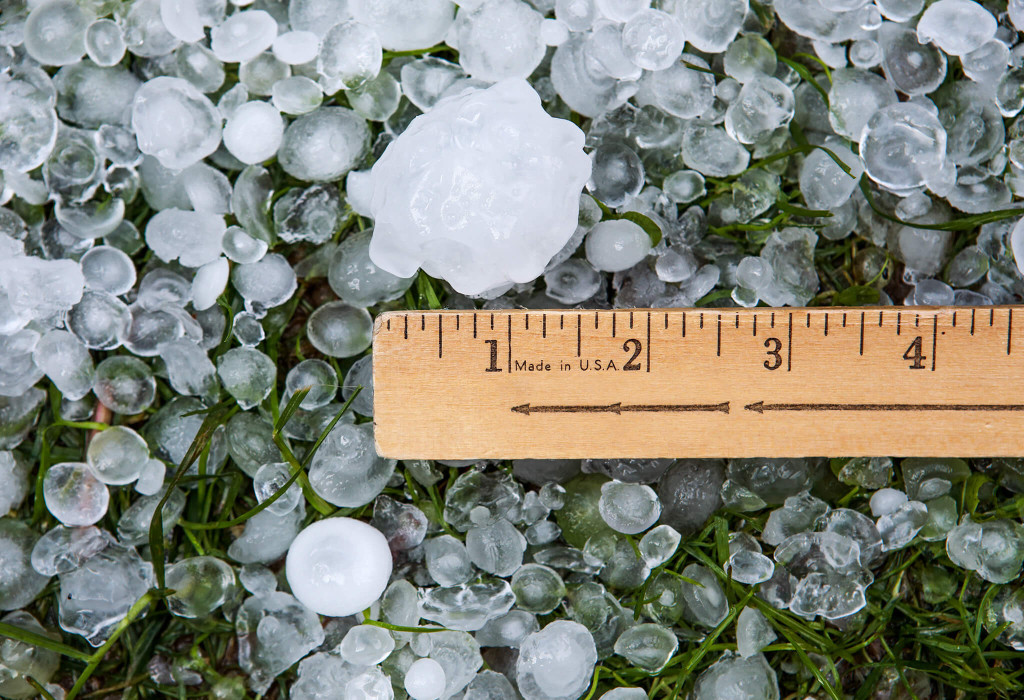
[{"x": 700, "y": 383}]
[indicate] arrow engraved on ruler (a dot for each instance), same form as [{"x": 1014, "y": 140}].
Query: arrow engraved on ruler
[
  {"x": 761, "y": 407},
  {"x": 619, "y": 408}
]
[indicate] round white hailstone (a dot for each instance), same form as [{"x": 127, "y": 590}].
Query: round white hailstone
[
  {"x": 55, "y": 32},
  {"x": 254, "y": 131},
  {"x": 338, "y": 566},
  {"x": 243, "y": 36},
  {"x": 324, "y": 145},
  {"x": 425, "y": 680},
  {"x": 403, "y": 25},
  {"x": 481, "y": 191},
  {"x": 175, "y": 122},
  {"x": 296, "y": 48},
  {"x": 209, "y": 282},
  {"x": 553, "y": 32},
  {"x": 616, "y": 245}
]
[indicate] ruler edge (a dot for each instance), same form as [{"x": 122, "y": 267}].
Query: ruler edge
[{"x": 381, "y": 319}]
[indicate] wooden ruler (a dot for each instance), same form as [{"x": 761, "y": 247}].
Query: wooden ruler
[{"x": 926, "y": 381}]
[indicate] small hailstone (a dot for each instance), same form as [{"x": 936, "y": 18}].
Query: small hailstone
[
  {"x": 553, "y": 32},
  {"x": 74, "y": 495},
  {"x": 338, "y": 566},
  {"x": 653, "y": 39},
  {"x": 956, "y": 26},
  {"x": 151, "y": 478},
  {"x": 629, "y": 508},
  {"x": 175, "y": 122},
  {"x": 296, "y": 47},
  {"x": 243, "y": 36},
  {"x": 556, "y": 662},
  {"x": 753, "y": 632},
  {"x": 55, "y": 32},
  {"x": 425, "y": 680},
  {"x": 117, "y": 455},
  {"x": 253, "y": 132},
  {"x": 324, "y": 144},
  {"x": 886, "y": 501},
  {"x": 512, "y": 172},
  {"x": 209, "y": 282},
  {"x": 366, "y": 645},
  {"x": 617, "y": 245}
]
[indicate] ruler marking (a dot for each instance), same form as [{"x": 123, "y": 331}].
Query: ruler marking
[
  {"x": 789, "y": 345},
  {"x": 702, "y": 320},
  {"x": 762, "y": 406},
  {"x": 474, "y": 324},
  {"x": 972, "y": 321},
  {"x": 879, "y": 319},
  {"x": 991, "y": 316},
  {"x": 755, "y": 325},
  {"x": 423, "y": 322},
  {"x": 596, "y": 318},
  {"x": 561, "y": 322},
  {"x": 666, "y": 321},
  {"x": 631, "y": 320},
  {"x": 613, "y": 324},
  {"x": 844, "y": 320},
  {"x": 1009, "y": 330},
  {"x": 718, "y": 350},
  {"x": 492, "y": 322},
  {"x": 543, "y": 325},
  {"x": 826, "y": 324},
  {"x": 917, "y": 320},
  {"x": 808, "y": 320},
  {"x": 899, "y": 319},
  {"x": 389, "y": 324},
  {"x": 440, "y": 335},
  {"x": 737, "y": 320},
  {"x": 579, "y": 335},
  {"x": 861, "y": 332},
  {"x": 406, "y": 326},
  {"x": 684, "y": 324},
  {"x": 457, "y": 317},
  {"x": 527, "y": 321},
  {"x": 935, "y": 337},
  {"x": 649, "y": 338},
  {"x": 773, "y": 319},
  {"x": 509, "y": 342},
  {"x": 619, "y": 408},
  {"x": 954, "y": 319}
]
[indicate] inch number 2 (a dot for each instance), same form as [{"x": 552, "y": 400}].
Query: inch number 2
[
  {"x": 631, "y": 363},
  {"x": 913, "y": 354},
  {"x": 774, "y": 346}
]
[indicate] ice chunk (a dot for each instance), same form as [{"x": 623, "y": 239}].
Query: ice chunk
[
  {"x": 274, "y": 631},
  {"x": 994, "y": 549},
  {"x": 447, "y": 560},
  {"x": 266, "y": 283},
  {"x": 706, "y": 603},
  {"x": 647, "y": 646},
  {"x": 243, "y": 36},
  {"x": 55, "y": 32},
  {"x": 711, "y": 151},
  {"x": 557, "y": 662},
  {"x": 20, "y": 661},
  {"x": 266, "y": 536},
  {"x": 711, "y": 25},
  {"x": 653, "y": 39},
  {"x": 823, "y": 183},
  {"x": 496, "y": 548},
  {"x": 424, "y": 680},
  {"x": 253, "y": 132},
  {"x": 414, "y": 190},
  {"x": 538, "y": 589},
  {"x": 402, "y": 25},
  {"x": 956, "y": 26},
  {"x": 616, "y": 175},
  {"x": 67, "y": 362},
  {"x": 763, "y": 105},
  {"x": 903, "y": 146},
  {"x": 247, "y": 374},
  {"x": 30, "y": 125},
  {"x": 856, "y": 95},
  {"x": 323, "y": 145},
  {"x": 790, "y": 253},
  {"x": 350, "y": 56},
  {"x": 192, "y": 237},
  {"x": 629, "y": 508},
  {"x": 13, "y": 481},
  {"x": 175, "y": 122},
  {"x": 748, "y": 678},
  {"x": 467, "y": 607},
  {"x": 38, "y": 288},
  {"x": 680, "y": 89},
  {"x": 753, "y": 632}
]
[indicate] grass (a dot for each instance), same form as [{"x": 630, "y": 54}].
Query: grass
[{"x": 921, "y": 635}]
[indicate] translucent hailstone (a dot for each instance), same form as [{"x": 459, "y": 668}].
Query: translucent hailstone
[
  {"x": 468, "y": 252},
  {"x": 271, "y": 478},
  {"x": 856, "y": 95},
  {"x": 175, "y": 122},
  {"x": 360, "y": 374},
  {"x": 653, "y": 39},
  {"x": 30, "y": 125},
  {"x": 402, "y": 25},
  {"x": 680, "y": 90},
  {"x": 538, "y": 589},
  {"x": 261, "y": 73},
  {"x": 350, "y": 55},
  {"x": 764, "y": 104},
  {"x": 554, "y": 32},
  {"x": 254, "y": 132},
  {"x": 338, "y": 566},
  {"x": 572, "y": 282},
  {"x": 753, "y": 675},
  {"x": 339, "y": 330},
  {"x": 243, "y": 36},
  {"x": 316, "y": 375},
  {"x": 706, "y": 602},
  {"x": 199, "y": 66},
  {"x": 55, "y": 32},
  {"x": 247, "y": 374},
  {"x": 378, "y": 99},
  {"x": 267, "y": 536},
  {"x": 366, "y": 645},
  {"x": 629, "y": 508},
  {"x": 496, "y": 548},
  {"x": 191, "y": 237},
  {"x": 74, "y": 495},
  {"x": 67, "y": 362},
  {"x": 20, "y": 583},
  {"x": 604, "y": 51},
  {"x": 903, "y": 146},
  {"x": 616, "y": 245},
  {"x": 104, "y": 42},
  {"x": 240, "y": 247},
  {"x": 447, "y": 560},
  {"x": 712, "y": 152},
  {"x": 296, "y": 47},
  {"x": 323, "y": 145},
  {"x": 117, "y": 455},
  {"x": 994, "y": 549},
  {"x": 823, "y": 183},
  {"x": 956, "y": 26},
  {"x": 124, "y": 384},
  {"x": 912, "y": 67},
  {"x": 753, "y": 632},
  {"x": 21, "y": 660},
  {"x": 512, "y": 53},
  {"x": 13, "y": 481},
  {"x": 108, "y": 269},
  {"x": 201, "y": 585},
  {"x": 616, "y": 174},
  {"x": 296, "y": 95},
  {"x": 424, "y": 680},
  {"x": 151, "y": 479},
  {"x": 354, "y": 277},
  {"x": 99, "y": 320},
  {"x": 208, "y": 284},
  {"x": 268, "y": 282},
  {"x": 346, "y": 470},
  {"x": 648, "y": 646},
  {"x": 311, "y": 214},
  {"x": 624, "y": 694},
  {"x": 556, "y": 662},
  {"x": 274, "y": 631},
  {"x": 711, "y": 25},
  {"x": 748, "y": 57},
  {"x": 973, "y": 123}
]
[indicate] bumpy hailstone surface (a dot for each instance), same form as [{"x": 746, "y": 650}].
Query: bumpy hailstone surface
[
  {"x": 338, "y": 566},
  {"x": 481, "y": 191}
]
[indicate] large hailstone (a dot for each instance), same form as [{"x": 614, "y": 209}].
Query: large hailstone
[{"x": 481, "y": 191}]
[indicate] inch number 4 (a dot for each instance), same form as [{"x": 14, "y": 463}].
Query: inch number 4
[{"x": 914, "y": 354}]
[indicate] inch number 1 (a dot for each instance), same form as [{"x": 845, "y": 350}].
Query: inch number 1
[{"x": 494, "y": 356}]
